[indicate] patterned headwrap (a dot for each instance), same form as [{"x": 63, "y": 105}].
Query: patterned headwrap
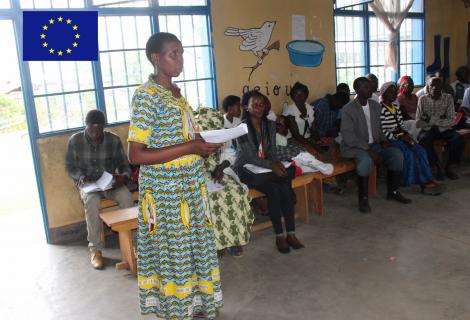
[
  {"x": 385, "y": 86},
  {"x": 402, "y": 81}
]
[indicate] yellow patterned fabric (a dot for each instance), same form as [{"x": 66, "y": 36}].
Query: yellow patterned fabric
[{"x": 177, "y": 263}]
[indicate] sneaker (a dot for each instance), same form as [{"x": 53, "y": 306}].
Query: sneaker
[{"x": 96, "y": 260}]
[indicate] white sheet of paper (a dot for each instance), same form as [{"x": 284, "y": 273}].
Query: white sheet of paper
[
  {"x": 105, "y": 182},
  {"x": 224, "y": 135},
  {"x": 298, "y": 27},
  {"x": 213, "y": 186},
  {"x": 257, "y": 169}
]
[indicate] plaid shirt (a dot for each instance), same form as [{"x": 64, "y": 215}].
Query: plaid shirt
[
  {"x": 325, "y": 118},
  {"x": 438, "y": 112},
  {"x": 86, "y": 159}
]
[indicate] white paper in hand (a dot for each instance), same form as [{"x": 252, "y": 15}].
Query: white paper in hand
[
  {"x": 224, "y": 135},
  {"x": 105, "y": 182}
]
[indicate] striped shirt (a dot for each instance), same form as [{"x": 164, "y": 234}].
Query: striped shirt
[{"x": 392, "y": 121}]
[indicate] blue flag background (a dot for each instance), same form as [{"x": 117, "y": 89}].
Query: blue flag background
[{"x": 60, "y": 35}]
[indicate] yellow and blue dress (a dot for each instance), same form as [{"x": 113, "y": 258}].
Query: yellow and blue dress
[{"x": 177, "y": 264}]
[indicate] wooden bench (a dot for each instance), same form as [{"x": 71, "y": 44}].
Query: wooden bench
[
  {"x": 123, "y": 221},
  {"x": 340, "y": 166},
  {"x": 439, "y": 145},
  {"x": 109, "y": 203}
]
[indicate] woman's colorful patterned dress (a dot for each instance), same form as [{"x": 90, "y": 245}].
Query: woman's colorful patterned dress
[{"x": 177, "y": 265}]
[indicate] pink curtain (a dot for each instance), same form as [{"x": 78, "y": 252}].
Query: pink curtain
[{"x": 391, "y": 13}]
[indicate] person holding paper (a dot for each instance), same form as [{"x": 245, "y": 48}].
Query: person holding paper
[
  {"x": 258, "y": 148},
  {"x": 93, "y": 155},
  {"x": 177, "y": 266}
]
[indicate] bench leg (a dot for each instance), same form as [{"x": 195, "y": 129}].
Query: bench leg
[
  {"x": 302, "y": 203},
  {"x": 373, "y": 181},
  {"x": 316, "y": 191},
  {"x": 127, "y": 251}
]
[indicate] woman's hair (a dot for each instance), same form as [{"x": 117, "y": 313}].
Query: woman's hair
[
  {"x": 229, "y": 101},
  {"x": 95, "y": 117},
  {"x": 156, "y": 42},
  {"x": 298, "y": 87},
  {"x": 246, "y": 118}
]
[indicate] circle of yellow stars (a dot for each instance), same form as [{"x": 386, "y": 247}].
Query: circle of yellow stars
[{"x": 51, "y": 22}]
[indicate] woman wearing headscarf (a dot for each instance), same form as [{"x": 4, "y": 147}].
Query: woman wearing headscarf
[
  {"x": 416, "y": 168},
  {"x": 408, "y": 102}
]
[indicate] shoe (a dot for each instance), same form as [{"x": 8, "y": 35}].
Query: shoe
[
  {"x": 235, "y": 252},
  {"x": 364, "y": 206},
  {"x": 282, "y": 245},
  {"x": 451, "y": 175},
  {"x": 397, "y": 196},
  {"x": 96, "y": 260},
  {"x": 440, "y": 176},
  {"x": 432, "y": 191},
  {"x": 294, "y": 242}
]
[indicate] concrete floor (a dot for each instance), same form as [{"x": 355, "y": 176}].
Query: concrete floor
[{"x": 401, "y": 262}]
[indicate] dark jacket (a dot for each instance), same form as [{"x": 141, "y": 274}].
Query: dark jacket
[
  {"x": 247, "y": 148},
  {"x": 354, "y": 127}
]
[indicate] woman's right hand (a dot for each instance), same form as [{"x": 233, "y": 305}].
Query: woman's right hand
[
  {"x": 278, "y": 169},
  {"x": 202, "y": 148}
]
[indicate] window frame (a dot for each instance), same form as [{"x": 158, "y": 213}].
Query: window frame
[
  {"x": 152, "y": 11},
  {"x": 366, "y": 14}
]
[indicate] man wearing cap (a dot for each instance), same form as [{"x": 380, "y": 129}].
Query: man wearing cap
[{"x": 90, "y": 153}]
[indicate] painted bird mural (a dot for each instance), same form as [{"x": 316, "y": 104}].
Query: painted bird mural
[{"x": 255, "y": 39}]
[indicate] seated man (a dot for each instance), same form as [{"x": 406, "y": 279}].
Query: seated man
[
  {"x": 435, "y": 116},
  {"x": 326, "y": 114},
  {"x": 90, "y": 153},
  {"x": 364, "y": 141}
]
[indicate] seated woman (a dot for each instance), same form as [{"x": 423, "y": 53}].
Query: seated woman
[
  {"x": 300, "y": 118},
  {"x": 229, "y": 206},
  {"x": 258, "y": 148},
  {"x": 416, "y": 168},
  {"x": 407, "y": 99},
  {"x": 408, "y": 102}
]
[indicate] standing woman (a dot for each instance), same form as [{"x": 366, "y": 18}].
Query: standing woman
[
  {"x": 416, "y": 168},
  {"x": 258, "y": 148},
  {"x": 177, "y": 265}
]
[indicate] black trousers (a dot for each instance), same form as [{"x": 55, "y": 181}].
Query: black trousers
[
  {"x": 454, "y": 148},
  {"x": 278, "y": 191}
]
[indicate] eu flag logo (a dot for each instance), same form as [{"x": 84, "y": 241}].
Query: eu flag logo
[{"x": 60, "y": 35}]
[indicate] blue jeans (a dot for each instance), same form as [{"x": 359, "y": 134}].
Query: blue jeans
[{"x": 393, "y": 159}]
